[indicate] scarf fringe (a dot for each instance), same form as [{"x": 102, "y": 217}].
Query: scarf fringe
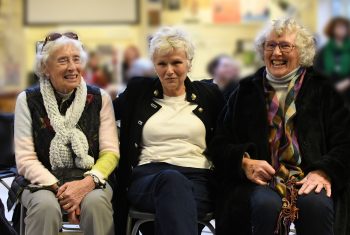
[{"x": 289, "y": 212}]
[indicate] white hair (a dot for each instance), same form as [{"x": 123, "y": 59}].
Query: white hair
[
  {"x": 168, "y": 39},
  {"x": 44, "y": 53},
  {"x": 305, "y": 42}
]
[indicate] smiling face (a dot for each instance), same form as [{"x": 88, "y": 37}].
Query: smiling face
[
  {"x": 172, "y": 69},
  {"x": 64, "y": 68},
  {"x": 277, "y": 62}
]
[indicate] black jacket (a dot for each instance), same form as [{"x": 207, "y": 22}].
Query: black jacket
[
  {"x": 134, "y": 107},
  {"x": 322, "y": 124},
  {"x": 226, "y": 92}
]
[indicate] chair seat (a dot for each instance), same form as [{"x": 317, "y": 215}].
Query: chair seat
[
  {"x": 6, "y": 174},
  {"x": 140, "y": 215},
  {"x": 135, "y": 214}
]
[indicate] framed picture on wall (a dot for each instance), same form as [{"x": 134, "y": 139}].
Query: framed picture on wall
[
  {"x": 226, "y": 11},
  {"x": 172, "y": 5},
  {"x": 154, "y": 17},
  {"x": 252, "y": 10},
  {"x": 48, "y": 12}
]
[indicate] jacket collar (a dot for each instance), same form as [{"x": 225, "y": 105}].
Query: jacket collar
[
  {"x": 258, "y": 79},
  {"x": 191, "y": 94}
]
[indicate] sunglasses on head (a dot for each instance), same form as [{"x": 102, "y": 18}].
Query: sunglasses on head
[{"x": 55, "y": 36}]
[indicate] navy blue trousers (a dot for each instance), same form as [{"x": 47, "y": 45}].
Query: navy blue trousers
[
  {"x": 316, "y": 212},
  {"x": 177, "y": 196}
]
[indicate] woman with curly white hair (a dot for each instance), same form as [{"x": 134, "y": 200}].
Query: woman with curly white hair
[
  {"x": 66, "y": 143},
  {"x": 282, "y": 147},
  {"x": 166, "y": 125}
]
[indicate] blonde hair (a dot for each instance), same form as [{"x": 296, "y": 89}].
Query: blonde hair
[
  {"x": 305, "y": 42},
  {"x": 168, "y": 39},
  {"x": 44, "y": 53}
]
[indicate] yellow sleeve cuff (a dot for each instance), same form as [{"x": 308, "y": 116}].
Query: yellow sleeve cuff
[{"x": 105, "y": 165}]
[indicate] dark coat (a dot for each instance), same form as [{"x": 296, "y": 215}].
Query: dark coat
[
  {"x": 134, "y": 107},
  {"x": 226, "y": 92},
  {"x": 323, "y": 127}
]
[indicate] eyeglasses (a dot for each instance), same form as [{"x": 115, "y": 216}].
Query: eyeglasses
[
  {"x": 284, "y": 47},
  {"x": 55, "y": 36}
]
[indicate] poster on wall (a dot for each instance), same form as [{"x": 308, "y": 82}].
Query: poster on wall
[
  {"x": 254, "y": 10},
  {"x": 42, "y": 12},
  {"x": 226, "y": 11},
  {"x": 154, "y": 17}
]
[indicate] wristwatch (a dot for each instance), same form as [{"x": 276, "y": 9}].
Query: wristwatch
[{"x": 96, "y": 180}]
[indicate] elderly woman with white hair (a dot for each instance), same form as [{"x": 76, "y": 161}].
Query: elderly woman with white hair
[
  {"x": 66, "y": 143},
  {"x": 282, "y": 148},
  {"x": 166, "y": 125}
]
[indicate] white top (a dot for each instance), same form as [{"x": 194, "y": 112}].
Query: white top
[{"x": 174, "y": 135}]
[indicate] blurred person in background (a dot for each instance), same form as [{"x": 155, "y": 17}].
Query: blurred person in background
[
  {"x": 141, "y": 67},
  {"x": 95, "y": 73},
  {"x": 66, "y": 143},
  {"x": 225, "y": 72},
  {"x": 131, "y": 53},
  {"x": 333, "y": 59},
  {"x": 167, "y": 123},
  {"x": 282, "y": 147}
]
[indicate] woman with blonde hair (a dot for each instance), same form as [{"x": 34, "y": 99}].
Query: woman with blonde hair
[{"x": 166, "y": 126}]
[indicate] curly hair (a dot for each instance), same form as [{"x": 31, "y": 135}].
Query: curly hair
[{"x": 305, "y": 41}]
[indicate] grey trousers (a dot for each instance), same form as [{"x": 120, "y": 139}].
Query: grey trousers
[{"x": 44, "y": 214}]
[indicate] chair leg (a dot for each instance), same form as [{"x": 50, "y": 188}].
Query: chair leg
[
  {"x": 137, "y": 225},
  {"x": 208, "y": 225},
  {"x": 22, "y": 224},
  {"x": 128, "y": 225},
  {"x": 211, "y": 228}
]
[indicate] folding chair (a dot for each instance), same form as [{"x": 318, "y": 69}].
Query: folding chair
[
  {"x": 143, "y": 217},
  {"x": 7, "y": 153}
]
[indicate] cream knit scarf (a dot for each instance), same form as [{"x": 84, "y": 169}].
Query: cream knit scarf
[{"x": 68, "y": 137}]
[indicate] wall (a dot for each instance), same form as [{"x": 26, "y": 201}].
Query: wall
[{"x": 18, "y": 41}]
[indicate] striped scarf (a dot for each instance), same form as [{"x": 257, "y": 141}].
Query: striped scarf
[{"x": 284, "y": 149}]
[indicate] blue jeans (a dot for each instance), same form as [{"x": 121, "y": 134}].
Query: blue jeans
[
  {"x": 177, "y": 195},
  {"x": 316, "y": 212}
]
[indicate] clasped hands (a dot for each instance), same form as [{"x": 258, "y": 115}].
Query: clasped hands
[
  {"x": 261, "y": 172},
  {"x": 71, "y": 194}
]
